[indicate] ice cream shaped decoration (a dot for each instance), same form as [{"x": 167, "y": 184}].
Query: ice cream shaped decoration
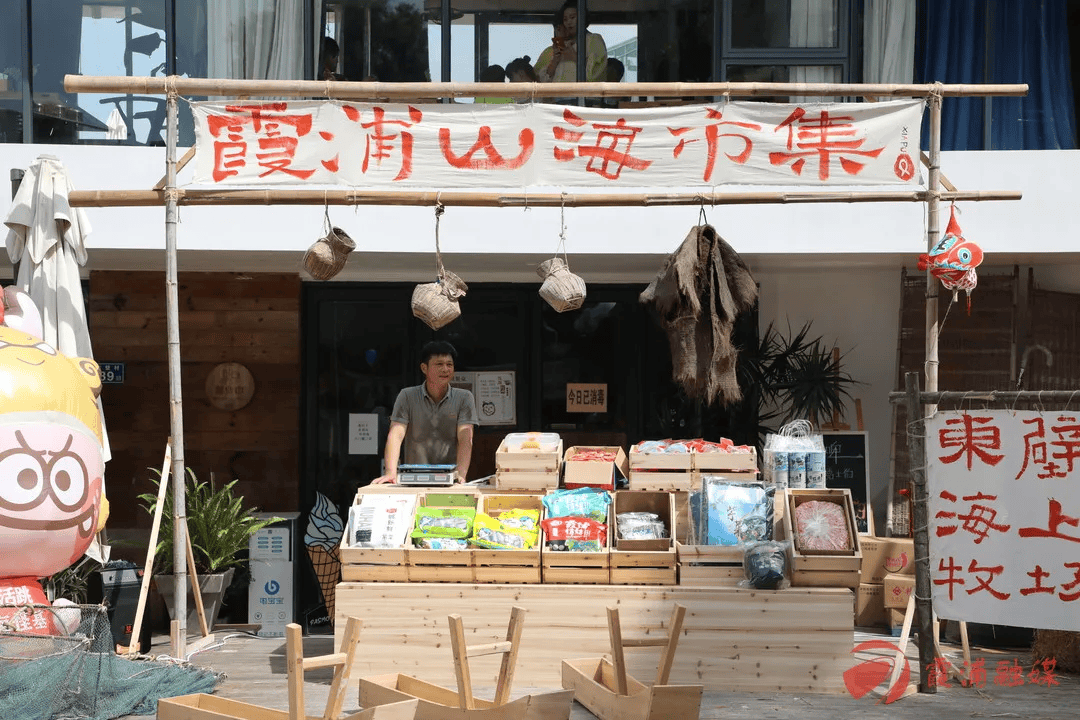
[
  {"x": 51, "y": 468},
  {"x": 323, "y": 541},
  {"x": 953, "y": 260}
]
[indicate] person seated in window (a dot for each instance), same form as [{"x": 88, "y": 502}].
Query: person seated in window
[
  {"x": 520, "y": 70},
  {"x": 615, "y": 72},
  {"x": 558, "y": 63},
  {"x": 493, "y": 74},
  {"x": 330, "y": 54}
]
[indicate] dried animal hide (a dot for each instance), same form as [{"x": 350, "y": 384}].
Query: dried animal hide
[{"x": 697, "y": 295}]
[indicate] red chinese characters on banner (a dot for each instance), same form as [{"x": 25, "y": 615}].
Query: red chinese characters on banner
[
  {"x": 822, "y": 136},
  {"x": 1037, "y": 449},
  {"x": 275, "y": 132},
  {"x": 975, "y": 437},
  {"x": 381, "y": 139},
  {"x": 609, "y": 152},
  {"x": 1055, "y": 520},
  {"x": 492, "y": 160},
  {"x": 979, "y": 520},
  {"x": 712, "y": 139}
]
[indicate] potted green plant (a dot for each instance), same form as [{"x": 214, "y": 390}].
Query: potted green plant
[{"x": 219, "y": 527}]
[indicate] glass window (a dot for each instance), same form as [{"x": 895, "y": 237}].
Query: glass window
[
  {"x": 12, "y": 72},
  {"x": 784, "y": 24},
  {"x": 787, "y": 73},
  {"x": 384, "y": 40}
]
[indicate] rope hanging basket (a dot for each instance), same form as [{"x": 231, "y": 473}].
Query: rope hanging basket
[
  {"x": 326, "y": 257},
  {"x": 562, "y": 289},
  {"x": 437, "y": 303}
]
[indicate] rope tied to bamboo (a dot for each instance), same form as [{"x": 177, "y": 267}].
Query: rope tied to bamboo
[{"x": 170, "y": 87}]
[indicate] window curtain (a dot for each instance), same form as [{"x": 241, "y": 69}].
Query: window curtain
[
  {"x": 813, "y": 25},
  {"x": 889, "y": 41},
  {"x": 255, "y": 39},
  {"x": 1029, "y": 43}
]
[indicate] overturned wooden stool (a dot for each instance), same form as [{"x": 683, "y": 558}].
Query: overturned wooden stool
[
  {"x": 439, "y": 703},
  {"x": 605, "y": 688}
]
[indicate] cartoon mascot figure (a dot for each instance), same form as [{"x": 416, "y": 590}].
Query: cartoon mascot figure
[{"x": 52, "y": 500}]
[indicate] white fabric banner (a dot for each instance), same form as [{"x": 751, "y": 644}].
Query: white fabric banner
[
  {"x": 510, "y": 145},
  {"x": 1004, "y": 507}
]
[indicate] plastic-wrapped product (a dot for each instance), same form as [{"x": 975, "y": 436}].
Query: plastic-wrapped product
[
  {"x": 444, "y": 522},
  {"x": 796, "y": 469},
  {"x": 765, "y": 565},
  {"x": 574, "y": 534},
  {"x": 815, "y": 469},
  {"x": 580, "y": 502},
  {"x": 736, "y": 513},
  {"x": 821, "y": 525},
  {"x": 381, "y": 521},
  {"x": 521, "y": 519},
  {"x": 438, "y": 543},
  {"x": 493, "y": 534},
  {"x": 641, "y": 526}
]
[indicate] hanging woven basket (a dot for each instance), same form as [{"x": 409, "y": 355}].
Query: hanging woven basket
[
  {"x": 437, "y": 303},
  {"x": 562, "y": 289},
  {"x": 326, "y": 257}
]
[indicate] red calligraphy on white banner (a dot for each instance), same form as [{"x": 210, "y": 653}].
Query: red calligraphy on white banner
[{"x": 821, "y": 137}]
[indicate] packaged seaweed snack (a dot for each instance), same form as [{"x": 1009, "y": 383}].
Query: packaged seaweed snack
[
  {"x": 579, "y": 502},
  {"x": 574, "y": 534},
  {"x": 493, "y": 534},
  {"x": 765, "y": 565},
  {"x": 521, "y": 519},
  {"x": 453, "y": 522},
  {"x": 736, "y": 513}
]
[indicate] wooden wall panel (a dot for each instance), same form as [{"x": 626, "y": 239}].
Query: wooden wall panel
[{"x": 224, "y": 317}]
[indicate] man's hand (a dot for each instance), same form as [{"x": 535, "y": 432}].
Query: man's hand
[{"x": 385, "y": 479}]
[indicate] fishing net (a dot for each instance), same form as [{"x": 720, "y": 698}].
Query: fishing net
[{"x": 76, "y": 674}]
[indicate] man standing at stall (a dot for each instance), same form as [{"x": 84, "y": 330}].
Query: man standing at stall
[{"x": 434, "y": 420}]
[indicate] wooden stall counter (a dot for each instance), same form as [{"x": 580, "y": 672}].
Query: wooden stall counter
[{"x": 734, "y": 639}]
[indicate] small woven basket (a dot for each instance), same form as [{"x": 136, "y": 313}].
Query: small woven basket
[
  {"x": 326, "y": 257},
  {"x": 437, "y": 303},
  {"x": 562, "y": 289}
]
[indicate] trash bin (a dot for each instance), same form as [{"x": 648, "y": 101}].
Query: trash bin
[{"x": 118, "y": 586}]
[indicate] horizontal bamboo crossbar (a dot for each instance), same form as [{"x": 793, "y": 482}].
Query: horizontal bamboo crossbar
[
  {"x": 341, "y": 90},
  {"x": 521, "y": 199}
]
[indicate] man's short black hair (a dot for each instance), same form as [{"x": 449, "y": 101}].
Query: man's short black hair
[{"x": 437, "y": 347}]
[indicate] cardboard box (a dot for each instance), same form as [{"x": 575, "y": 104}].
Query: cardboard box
[
  {"x": 882, "y": 556},
  {"x": 870, "y": 606},
  {"x": 579, "y": 473},
  {"x": 898, "y": 588},
  {"x": 896, "y": 621}
]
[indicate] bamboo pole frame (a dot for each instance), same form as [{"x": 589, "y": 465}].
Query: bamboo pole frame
[{"x": 172, "y": 197}]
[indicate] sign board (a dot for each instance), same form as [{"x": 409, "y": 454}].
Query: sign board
[
  {"x": 398, "y": 145},
  {"x": 1004, "y": 503},
  {"x": 847, "y": 465},
  {"x": 363, "y": 434},
  {"x": 112, "y": 373},
  {"x": 230, "y": 386},
  {"x": 586, "y": 397},
  {"x": 495, "y": 393}
]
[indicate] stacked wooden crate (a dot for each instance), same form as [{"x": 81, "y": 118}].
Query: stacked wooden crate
[
  {"x": 644, "y": 562},
  {"x": 661, "y": 471},
  {"x": 709, "y": 565},
  {"x": 454, "y": 566},
  {"x": 533, "y": 470},
  {"x": 576, "y": 568},
  {"x": 377, "y": 564},
  {"x": 505, "y": 565},
  {"x": 823, "y": 568}
]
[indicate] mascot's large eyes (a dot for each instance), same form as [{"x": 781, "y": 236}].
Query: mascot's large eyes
[
  {"x": 964, "y": 255},
  {"x": 70, "y": 485},
  {"x": 21, "y": 481}
]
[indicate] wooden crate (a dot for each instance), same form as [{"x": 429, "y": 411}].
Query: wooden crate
[
  {"x": 456, "y": 566},
  {"x": 528, "y": 470},
  {"x": 644, "y": 562},
  {"x": 577, "y": 568},
  {"x": 360, "y": 564},
  {"x": 537, "y": 482},
  {"x": 508, "y": 566},
  {"x": 709, "y": 565},
  {"x": 823, "y": 568},
  {"x": 725, "y": 462},
  {"x": 660, "y": 471}
]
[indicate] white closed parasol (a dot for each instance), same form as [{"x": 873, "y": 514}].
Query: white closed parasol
[{"x": 46, "y": 237}]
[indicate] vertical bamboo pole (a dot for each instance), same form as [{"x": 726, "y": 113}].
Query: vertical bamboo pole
[
  {"x": 920, "y": 518},
  {"x": 933, "y": 210},
  {"x": 176, "y": 407}
]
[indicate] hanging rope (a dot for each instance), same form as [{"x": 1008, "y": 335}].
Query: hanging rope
[
  {"x": 562, "y": 230},
  {"x": 439, "y": 210}
]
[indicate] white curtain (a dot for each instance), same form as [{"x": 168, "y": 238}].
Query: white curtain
[
  {"x": 813, "y": 25},
  {"x": 889, "y": 41},
  {"x": 255, "y": 39}
]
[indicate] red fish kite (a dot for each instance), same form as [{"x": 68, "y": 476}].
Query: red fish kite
[{"x": 953, "y": 260}]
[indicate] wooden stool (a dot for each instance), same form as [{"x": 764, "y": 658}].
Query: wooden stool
[{"x": 462, "y": 653}]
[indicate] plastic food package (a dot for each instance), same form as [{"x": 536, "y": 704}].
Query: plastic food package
[
  {"x": 437, "y": 543},
  {"x": 765, "y": 565},
  {"x": 735, "y": 513},
  {"x": 531, "y": 442},
  {"x": 521, "y": 519},
  {"x": 574, "y": 534},
  {"x": 380, "y": 521},
  {"x": 580, "y": 502},
  {"x": 490, "y": 533},
  {"x": 821, "y": 525},
  {"x": 794, "y": 457},
  {"x": 641, "y": 526},
  {"x": 444, "y": 522}
]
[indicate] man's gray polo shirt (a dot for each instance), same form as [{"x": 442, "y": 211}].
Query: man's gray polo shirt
[{"x": 431, "y": 432}]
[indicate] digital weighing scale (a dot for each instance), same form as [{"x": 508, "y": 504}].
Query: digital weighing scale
[{"x": 427, "y": 475}]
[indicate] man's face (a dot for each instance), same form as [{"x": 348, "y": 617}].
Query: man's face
[{"x": 438, "y": 370}]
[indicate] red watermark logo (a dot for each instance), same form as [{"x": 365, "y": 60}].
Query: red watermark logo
[{"x": 868, "y": 674}]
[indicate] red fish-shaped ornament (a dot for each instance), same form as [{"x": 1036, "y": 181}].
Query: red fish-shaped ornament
[{"x": 953, "y": 260}]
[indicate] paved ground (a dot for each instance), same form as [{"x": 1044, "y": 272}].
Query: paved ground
[{"x": 255, "y": 669}]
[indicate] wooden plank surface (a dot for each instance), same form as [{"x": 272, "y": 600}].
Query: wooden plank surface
[{"x": 794, "y": 640}]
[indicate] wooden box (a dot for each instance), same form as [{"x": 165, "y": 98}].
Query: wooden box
[
  {"x": 508, "y": 566},
  {"x": 443, "y": 565},
  {"x": 660, "y": 471},
  {"x": 359, "y": 564},
  {"x": 578, "y": 473},
  {"x": 709, "y": 565},
  {"x": 644, "y": 562},
  {"x": 577, "y": 568},
  {"x": 725, "y": 462},
  {"x": 527, "y": 470},
  {"x": 823, "y": 568}
]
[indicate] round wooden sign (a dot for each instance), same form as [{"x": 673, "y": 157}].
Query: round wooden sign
[{"x": 230, "y": 386}]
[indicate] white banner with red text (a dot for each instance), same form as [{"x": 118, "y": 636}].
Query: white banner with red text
[
  {"x": 536, "y": 145},
  {"x": 1004, "y": 500}
]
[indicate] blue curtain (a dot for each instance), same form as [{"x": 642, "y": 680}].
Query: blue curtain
[{"x": 1028, "y": 42}]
